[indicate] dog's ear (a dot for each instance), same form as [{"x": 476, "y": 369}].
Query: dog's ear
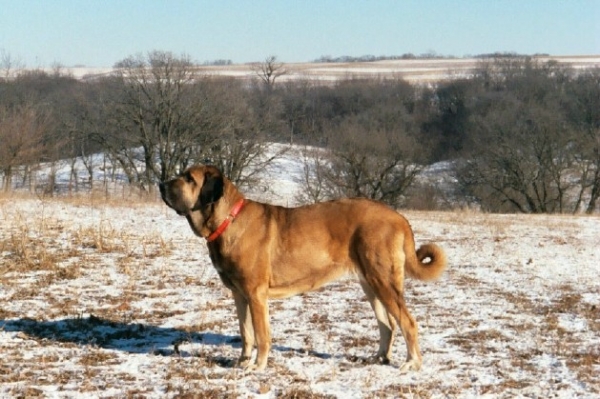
[{"x": 212, "y": 188}]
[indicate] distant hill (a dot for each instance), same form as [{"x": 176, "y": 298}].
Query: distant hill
[{"x": 412, "y": 70}]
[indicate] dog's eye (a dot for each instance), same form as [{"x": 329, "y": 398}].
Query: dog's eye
[{"x": 188, "y": 177}]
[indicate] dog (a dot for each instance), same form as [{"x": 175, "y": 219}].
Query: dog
[{"x": 263, "y": 251}]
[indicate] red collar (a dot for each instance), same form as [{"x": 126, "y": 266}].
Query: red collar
[{"x": 234, "y": 212}]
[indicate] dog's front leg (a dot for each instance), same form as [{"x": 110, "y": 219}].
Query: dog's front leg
[
  {"x": 259, "y": 310},
  {"x": 246, "y": 329}
]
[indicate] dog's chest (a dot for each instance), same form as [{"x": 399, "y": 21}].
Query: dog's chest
[
  {"x": 218, "y": 262},
  {"x": 223, "y": 267}
]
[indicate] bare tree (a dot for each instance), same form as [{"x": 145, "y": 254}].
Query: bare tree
[
  {"x": 269, "y": 70},
  {"x": 237, "y": 141},
  {"x": 161, "y": 112},
  {"x": 377, "y": 164},
  {"x": 523, "y": 157},
  {"x": 21, "y": 139},
  {"x": 9, "y": 64},
  {"x": 314, "y": 176},
  {"x": 359, "y": 162},
  {"x": 583, "y": 109},
  {"x": 169, "y": 117}
]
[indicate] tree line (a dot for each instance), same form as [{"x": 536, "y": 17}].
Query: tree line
[{"x": 519, "y": 135}]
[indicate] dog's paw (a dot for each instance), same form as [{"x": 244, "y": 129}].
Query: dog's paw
[
  {"x": 254, "y": 368},
  {"x": 410, "y": 365},
  {"x": 250, "y": 366},
  {"x": 381, "y": 359},
  {"x": 244, "y": 362},
  {"x": 375, "y": 359}
]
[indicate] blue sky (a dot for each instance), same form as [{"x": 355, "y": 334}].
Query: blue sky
[{"x": 101, "y": 32}]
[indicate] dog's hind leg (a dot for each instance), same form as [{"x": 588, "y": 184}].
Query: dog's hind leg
[
  {"x": 409, "y": 329},
  {"x": 385, "y": 321},
  {"x": 246, "y": 329},
  {"x": 393, "y": 300},
  {"x": 384, "y": 275}
]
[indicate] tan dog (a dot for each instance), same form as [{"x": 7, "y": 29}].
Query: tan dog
[{"x": 264, "y": 251}]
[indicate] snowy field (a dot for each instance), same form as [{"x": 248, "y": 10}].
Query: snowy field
[
  {"x": 116, "y": 298},
  {"x": 414, "y": 71}
]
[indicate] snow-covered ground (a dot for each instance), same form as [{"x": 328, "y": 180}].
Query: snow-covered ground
[
  {"x": 412, "y": 70},
  {"x": 117, "y": 298}
]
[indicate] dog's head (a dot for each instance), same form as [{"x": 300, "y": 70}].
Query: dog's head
[{"x": 193, "y": 190}]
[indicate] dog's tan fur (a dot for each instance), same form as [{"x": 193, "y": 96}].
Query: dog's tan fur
[{"x": 274, "y": 252}]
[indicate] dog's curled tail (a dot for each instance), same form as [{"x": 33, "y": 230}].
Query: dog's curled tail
[{"x": 432, "y": 269}]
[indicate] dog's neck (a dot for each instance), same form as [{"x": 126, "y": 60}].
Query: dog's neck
[{"x": 207, "y": 219}]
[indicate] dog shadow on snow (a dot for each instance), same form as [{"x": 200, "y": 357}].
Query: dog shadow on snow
[{"x": 135, "y": 338}]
